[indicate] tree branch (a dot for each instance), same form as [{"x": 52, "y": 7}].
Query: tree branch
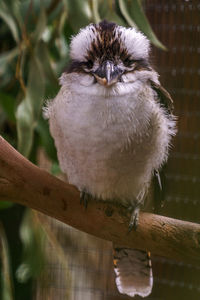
[{"x": 26, "y": 184}]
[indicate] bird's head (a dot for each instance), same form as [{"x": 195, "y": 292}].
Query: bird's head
[{"x": 106, "y": 51}]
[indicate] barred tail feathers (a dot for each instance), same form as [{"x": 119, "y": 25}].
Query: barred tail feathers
[{"x": 133, "y": 272}]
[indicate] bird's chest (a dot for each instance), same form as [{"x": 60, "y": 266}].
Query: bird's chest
[
  {"x": 104, "y": 126},
  {"x": 103, "y": 143}
]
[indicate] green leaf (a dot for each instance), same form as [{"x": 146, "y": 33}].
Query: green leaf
[
  {"x": 107, "y": 11},
  {"x": 79, "y": 13},
  {"x": 5, "y": 204},
  {"x": 55, "y": 169},
  {"x": 125, "y": 13},
  {"x": 6, "y": 292},
  {"x": 137, "y": 13},
  {"x": 15, "y": 8},
  {"x": 113, "y": 17},
  {"x": 95, "y": 12},
  {"x": 7, "y": 57},
  {"x": 6, "y": 66},
  {"x": 44, "y": 57},
  {"x": 61, "y": 23},
  {"x": 25, "y": 127},
  {"x": 36, "y": 86},
  {"x": 33, "y": 240},
  {"x": 6, "y": 15},
  {"x": 29, "y": 109},
  {"x": 46, "y": 139},
  {"x": 41, "y": 26},
  {"x": 8, "y": 103}
]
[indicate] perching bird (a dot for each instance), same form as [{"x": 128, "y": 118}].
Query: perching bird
[{"x": 112, "y": 124}]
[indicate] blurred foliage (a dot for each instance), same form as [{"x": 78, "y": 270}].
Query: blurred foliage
[
  {"x": 34, "y": 50},
  {"x": 33, "y": 238},
  {"x": 6, "y": 283}
]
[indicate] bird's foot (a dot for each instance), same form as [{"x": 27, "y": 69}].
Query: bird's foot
[
  {"x": 134, "y": 218},
  {"x": 84, "y": 198}
]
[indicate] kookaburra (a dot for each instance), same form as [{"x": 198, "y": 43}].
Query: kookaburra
[{"x": 112, "y": 124}]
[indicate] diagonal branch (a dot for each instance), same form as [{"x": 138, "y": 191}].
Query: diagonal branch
[{"x": 26, "y": 184}]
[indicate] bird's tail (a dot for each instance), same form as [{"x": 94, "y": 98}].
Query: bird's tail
[{"x": 133, "y": 272}]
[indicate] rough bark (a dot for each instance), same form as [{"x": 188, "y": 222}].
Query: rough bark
[{"x": 24, "y": 183}]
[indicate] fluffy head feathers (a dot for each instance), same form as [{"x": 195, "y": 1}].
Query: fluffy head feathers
[{"x": 108, "y": 41}]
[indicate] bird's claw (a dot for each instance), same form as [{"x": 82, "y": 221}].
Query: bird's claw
[{"x": 84, "y": 198}]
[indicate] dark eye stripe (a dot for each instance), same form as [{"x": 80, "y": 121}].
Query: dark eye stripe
[
  {"x": 89, "y": 64},
  {"x": 78, "y": 66},
  {"x": 139, "y": 62},
  {"x": 82, "y": 67},
  {"x": 128, "y": 62}
]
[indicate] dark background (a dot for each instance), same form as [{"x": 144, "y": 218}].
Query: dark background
[{"x": 176, "y": 23}]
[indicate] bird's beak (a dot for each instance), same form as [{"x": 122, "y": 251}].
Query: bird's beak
[{"x": 108, "y": 73}]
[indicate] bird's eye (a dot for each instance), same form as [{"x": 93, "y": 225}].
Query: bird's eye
[
  {"x": 89, "y": 64},
  {"x": 129, "y": 62}
]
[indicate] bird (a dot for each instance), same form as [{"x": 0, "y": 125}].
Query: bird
[{"x": 112, "y": 123}]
